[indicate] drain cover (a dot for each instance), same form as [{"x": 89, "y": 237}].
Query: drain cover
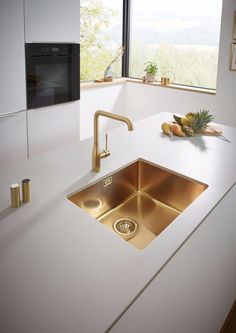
[{"x": 126, "y": 227}]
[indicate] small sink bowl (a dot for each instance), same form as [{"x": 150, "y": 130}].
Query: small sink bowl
[{"x": 138, "y": 201}]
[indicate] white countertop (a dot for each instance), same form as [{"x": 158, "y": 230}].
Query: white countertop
[{"x": 61, "y": 270}]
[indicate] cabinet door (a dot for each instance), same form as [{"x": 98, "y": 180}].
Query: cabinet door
[
  {"x": 52, "y": 21},
  {"x": 12, "y": 64},
  {"x": 52, "y": 127},
  {"x": 13, "y": 138},
  {"x": 196, "y": 289}
]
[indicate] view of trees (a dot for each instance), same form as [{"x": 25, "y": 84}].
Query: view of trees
[
  {"x": 189, "y": 61},
  {"x": 97, "y": 46},
  {"x": 193, "y": 66}
]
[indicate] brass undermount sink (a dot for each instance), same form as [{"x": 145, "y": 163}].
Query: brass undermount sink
[{"x": 138, "y": 201}]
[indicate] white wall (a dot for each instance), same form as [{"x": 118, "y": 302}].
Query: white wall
[
  {"x": 108, "y": 98},
  {"x": 225, "y": 99},
  {"x": 142, "y": 100}
]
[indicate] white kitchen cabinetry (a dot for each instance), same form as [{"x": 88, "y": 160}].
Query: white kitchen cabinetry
[
  {"x": 13, "y": 138},
  {"x": 196, "y": 289},
  {"x": 12, "y": 64},
  {"x": 52, "y": 127},
  {"x": 52, "y": 21}
]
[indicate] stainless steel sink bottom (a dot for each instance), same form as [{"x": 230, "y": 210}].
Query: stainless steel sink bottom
[{"x": 138, "y": 201}]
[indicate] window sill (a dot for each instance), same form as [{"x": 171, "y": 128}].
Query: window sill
[
  {"x": 93, "y": 84},
  {"x": 174, "y": 86}
]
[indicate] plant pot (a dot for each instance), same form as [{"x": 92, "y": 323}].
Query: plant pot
[{"x": 150, "y": 77}]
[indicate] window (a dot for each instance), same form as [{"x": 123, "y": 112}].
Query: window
[
  {"x": 101, "y": 36},
  {"x": 182, "y": 37}
]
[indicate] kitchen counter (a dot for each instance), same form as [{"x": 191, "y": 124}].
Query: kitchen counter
[{"x": 62, "y": 271}]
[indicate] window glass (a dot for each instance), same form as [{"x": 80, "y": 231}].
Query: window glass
[
  {"x": 101, "y": 36},
  {"x": 182, "y": 37}
]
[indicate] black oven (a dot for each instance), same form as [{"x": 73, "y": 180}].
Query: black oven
[{"x": 52, "y": 73}]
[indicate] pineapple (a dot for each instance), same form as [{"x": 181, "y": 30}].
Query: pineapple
[
  {"x": 188, "y": 130},
  {"x": 199, "y": 120},
  {"x": 194, "y": 121}
]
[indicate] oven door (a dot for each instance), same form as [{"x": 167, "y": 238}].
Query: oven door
[{"x": 52, "y": 80}]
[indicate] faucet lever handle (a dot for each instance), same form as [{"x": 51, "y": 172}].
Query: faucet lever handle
[
  {"x": 106, "y": 142},
  {"x": 106, "y": 152}
]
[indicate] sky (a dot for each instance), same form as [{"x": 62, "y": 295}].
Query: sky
[
  {"x": 183, "y": 8},
  {"x": 170, "y": 16}
]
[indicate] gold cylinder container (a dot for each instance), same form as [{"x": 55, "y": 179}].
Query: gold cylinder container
[
  {"x": 15, "y": 195},
  {"x": 26, "y": 190},
  {"x": 167, "y": 81}
]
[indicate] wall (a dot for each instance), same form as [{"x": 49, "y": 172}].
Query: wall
[
  {"x": 144, "y": 100},
  {"x": 224, "y": 103},
  {"x": 156, "y": 99},
  {"x": 109, "y": 98}
]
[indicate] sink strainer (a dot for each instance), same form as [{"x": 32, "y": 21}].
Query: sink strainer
[{"x": 126, "y": 227}]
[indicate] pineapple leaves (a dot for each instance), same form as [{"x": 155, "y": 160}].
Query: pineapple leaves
[{"x": 194, "y": 121}]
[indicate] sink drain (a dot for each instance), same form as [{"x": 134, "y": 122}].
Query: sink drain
[{"x": 126, "y": 227}]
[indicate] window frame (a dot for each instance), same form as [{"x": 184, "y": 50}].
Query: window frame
[
  {"x": 126, "y": 44},
  {"x": 126, "y": 37},
  {"x": 125, "y": 61}
]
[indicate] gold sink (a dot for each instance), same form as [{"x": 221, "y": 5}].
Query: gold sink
[{"x": 138, "y": 201}]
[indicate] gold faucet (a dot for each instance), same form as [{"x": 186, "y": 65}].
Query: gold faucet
[{"x": 96, "y": 154}]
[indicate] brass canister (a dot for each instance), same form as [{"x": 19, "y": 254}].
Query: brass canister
[
  {"x": 15, "y": 195},
  {"x": 165, "y": 81},
  {"x": 26, "y": 190}
]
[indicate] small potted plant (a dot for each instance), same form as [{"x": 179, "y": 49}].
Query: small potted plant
[{"x": 151, "y": 70}]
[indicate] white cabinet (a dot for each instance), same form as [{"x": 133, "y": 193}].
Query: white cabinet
[
  {"x": 13, "y": 138},
  {"x": 12, "y": 64},
  {"x": 196, "y": 289},
  {"x": 52, "y": 127},
  {"x": 52, "y": 21}
]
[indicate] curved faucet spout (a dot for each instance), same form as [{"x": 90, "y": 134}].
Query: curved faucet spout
[{"x": 96, "y": 154}]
